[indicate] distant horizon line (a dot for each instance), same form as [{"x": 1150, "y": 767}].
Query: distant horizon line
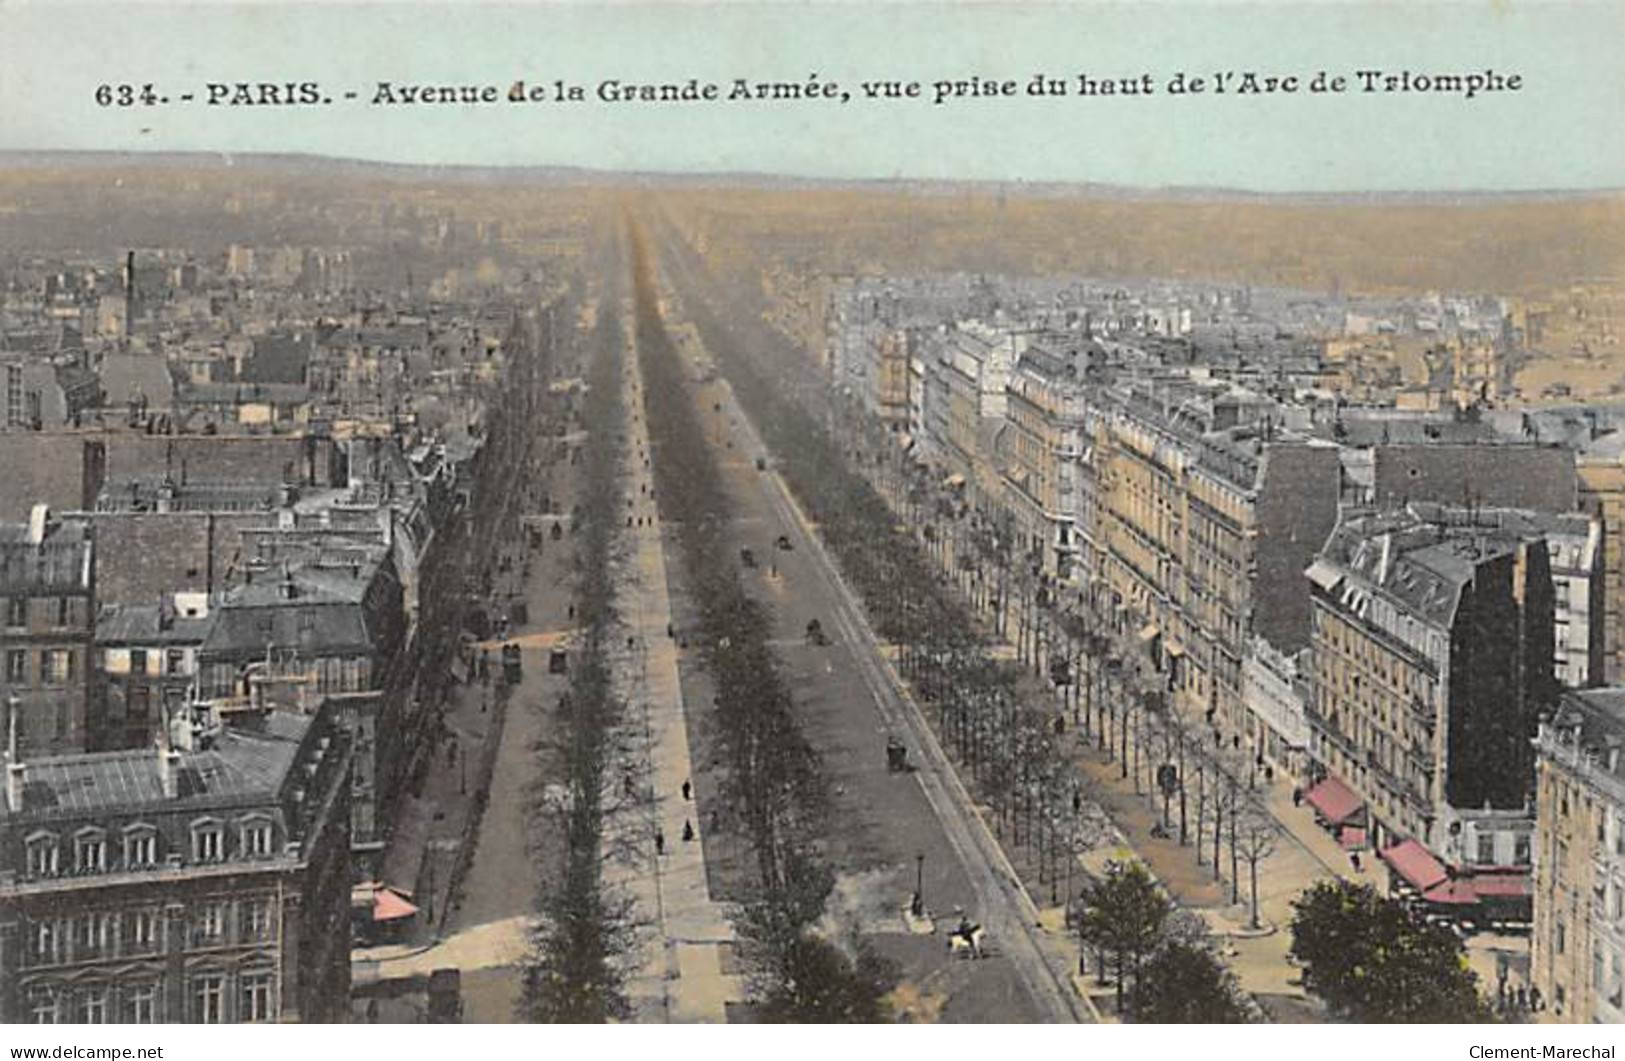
[{"x": 767, "y": 180}]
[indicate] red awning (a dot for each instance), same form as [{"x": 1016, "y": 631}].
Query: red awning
[
  {"x": 381, "y": 901},
  {"x": 1452, "y": 893},
  {"x": 387, "y": 905},
  {"x": 1413, "y": 862},
  {"x": 1352, "y": 838},
  {"x": 1503, "y": 886},
  {"x": 1335, "y": 802}
]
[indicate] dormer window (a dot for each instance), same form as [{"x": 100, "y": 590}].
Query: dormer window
[
  {"x": 90, "y": 851},
  {"x": 140, "y": 846},
  {"x": 256, "y": 838},
  {"x": 208, "y": 842},
  {"x": 43, "y": 856}
]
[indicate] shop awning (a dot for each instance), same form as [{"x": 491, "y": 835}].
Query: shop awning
[
  {"x": 1452, "y": 893},
  {"x": 1503, "y": 886},
  {"x": 1416, "y": 864},
  {"x": 1149, "y": 632},
  {"x": 1334, "y": 801},
  {"x": 1174, "y": 649},
  {"x": 385, "y": 903},
  {"x": 1352, "y": 837}
]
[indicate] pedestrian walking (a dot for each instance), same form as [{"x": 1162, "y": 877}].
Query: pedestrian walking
[
  {"x": 660, "y": 842},
  {"x": 1354, "y": 859},
  {"x": 1297, "y": 796},
  {"x": 688, "y": 830},
  {"x": 688, "y": 790}
]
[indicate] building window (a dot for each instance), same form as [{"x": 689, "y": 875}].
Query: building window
[
  {"x": 42, "y": 857},
  {"x": 1486, "y": 849},
  {"x": 93, "y": 1004},
  {"x": 209, "y": 924},
  {"x": 137, "y": 703},
  {"x": 207, "y": 844},
  {"x": 143, "y": 935},
  {"x": 57, "y": 663},
  {"x": 1520, "y": 849},
  {"x": 48, "y": 935},
  {"x": 95, "y": 935},
  {"x": 64, "y": 611},
  {"x": 44, "y": 1004},
  {"x": 91, "y": 854},
  {"x": 255, "y": 1003},
  {"x": 17, "y": 612},
  {"x": 138, "y": 661},
  {"x": 16, "y": 666},
  {"x": 141, "y": 1003},
  {"x": 256, "y": 839},
  {"x": 175, "y": 661},
  {"x": 208, "y": 998},
  {"x": 256, "y": 919},
  {"x": 140, "y": 847}
]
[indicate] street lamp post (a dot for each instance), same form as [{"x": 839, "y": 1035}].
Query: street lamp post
[{"x": 919, "y": 884}]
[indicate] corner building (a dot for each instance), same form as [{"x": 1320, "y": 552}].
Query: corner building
[{"x": 203, "y": 881}]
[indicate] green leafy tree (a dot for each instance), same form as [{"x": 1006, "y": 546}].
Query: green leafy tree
[
  {"x": 1372, "y": 961},
  {"x": 1184, "y": 983},
  {"x": 823, "y": 985},
  {"x": 1124, "y": 915}
]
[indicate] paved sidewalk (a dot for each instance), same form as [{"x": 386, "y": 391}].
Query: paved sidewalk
[{"x": 676, "y": 971}]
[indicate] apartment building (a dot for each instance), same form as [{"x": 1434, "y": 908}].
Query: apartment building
[
  {"x": 204, "y": 880},
  {"x": 1431, "y": 661},
  {"x": 1578, "y": 943},
  {"x": 47, "y": 588}
]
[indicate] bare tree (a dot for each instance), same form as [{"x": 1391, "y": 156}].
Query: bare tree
[{"x": 1255, "y": 836}]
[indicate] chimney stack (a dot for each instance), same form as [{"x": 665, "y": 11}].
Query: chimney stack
[
  {"x": 129, "y": 294},
  {"x": 168, "y": 760},
  {"x": 16, "y": 771}
]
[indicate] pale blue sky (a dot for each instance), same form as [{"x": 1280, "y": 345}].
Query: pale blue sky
[{"x": 1565, "y": 128}]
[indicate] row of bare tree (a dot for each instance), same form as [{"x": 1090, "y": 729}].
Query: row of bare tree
[
  {"x": 772, "y": 777},
  {"x": 573, "y": 974}
]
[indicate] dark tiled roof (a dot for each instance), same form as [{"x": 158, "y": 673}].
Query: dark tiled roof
[
  {"x": 278, "y": 358},
  {"x": 317, "y": 622},
  {"x": 1420, "y": 566},
  {"x": 241, "y": 764},
  {"x": 138, "y": 624},
  {"x": 1599, "y": 714},
  {"x": 125, "y": 375}
]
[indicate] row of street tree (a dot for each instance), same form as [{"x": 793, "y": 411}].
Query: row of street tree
[
  {"x": 942, "y": 581},
  {"x": 1014, "y": 752},
  {"x": 573, "y": 975},
  {"x": 772, "y": 775}
]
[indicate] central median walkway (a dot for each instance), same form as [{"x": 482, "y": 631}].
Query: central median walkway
[{"x": 675, "y": 971}]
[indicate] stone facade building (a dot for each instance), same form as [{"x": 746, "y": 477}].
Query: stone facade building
[
  {"x": 204, "y": 880},
  {"x": 47, "y": 591},
  {"x": 1432, "y": 660},
  {"x": 1578, "y": 945}
]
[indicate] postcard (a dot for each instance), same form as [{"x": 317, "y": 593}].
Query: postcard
[{"x": 1019, "y": 514}]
